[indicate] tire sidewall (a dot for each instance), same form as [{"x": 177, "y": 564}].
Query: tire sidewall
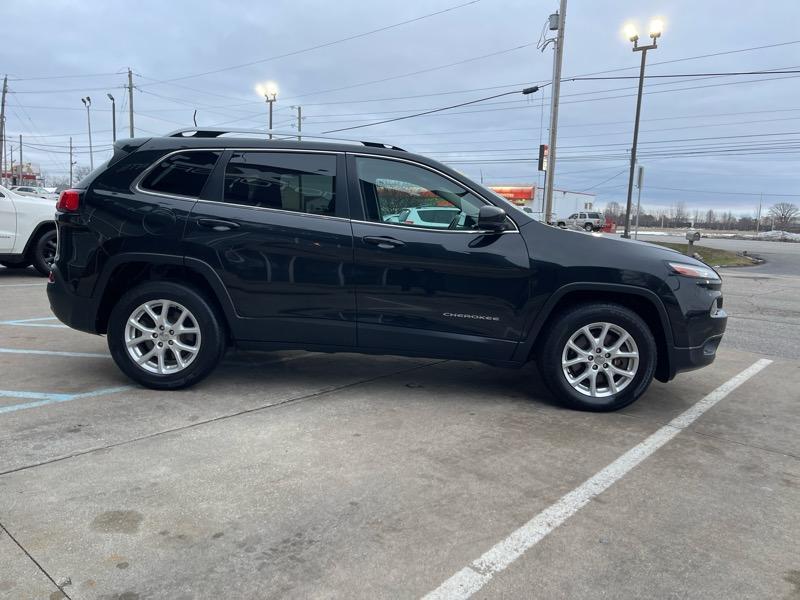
[
  {"x": 570, "y": 322},
  {"x": 38, "y": 260},
  {"x": 212, "y": 346}
]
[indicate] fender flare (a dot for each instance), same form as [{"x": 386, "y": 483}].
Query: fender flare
[
  {"x": 36, "y": 233},
  {"x": 198, "y": 266},
  {"x": 524, "y": 349}
]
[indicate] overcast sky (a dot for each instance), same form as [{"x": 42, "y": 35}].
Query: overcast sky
[{"x": 77, "y": 49}]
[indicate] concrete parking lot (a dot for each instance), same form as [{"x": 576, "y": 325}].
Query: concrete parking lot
[{"x": 300, "y": 475}]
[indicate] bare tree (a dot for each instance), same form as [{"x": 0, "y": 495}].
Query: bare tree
[
  {"x": 613, "y": 210},
  {"x": 784, "y": 213}
]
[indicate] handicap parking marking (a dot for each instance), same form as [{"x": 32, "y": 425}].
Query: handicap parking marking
[
  {"x": 45, "y": 398},
  {"x": 478, "y": 573},
  {"x": 38, "y": 322},
  {"x": 54, "y": 353}
]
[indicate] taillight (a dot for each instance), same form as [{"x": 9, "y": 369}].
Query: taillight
[{"x": 69, "y": 201}]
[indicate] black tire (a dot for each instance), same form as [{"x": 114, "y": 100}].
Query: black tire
[
  {"x": 588, "y": 227},
  {"x": 561, "y": 224},
  {"x": 212, "y": 334},
  {"x": 568, "y": 323},
  {"x": 43, "y": 251}
]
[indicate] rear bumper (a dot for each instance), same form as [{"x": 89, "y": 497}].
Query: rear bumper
[{"x": 74, "y": 311}]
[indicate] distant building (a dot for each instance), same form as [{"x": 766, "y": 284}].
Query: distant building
[
  {"x": 31, "y": 174},
  {"x": 532, "y": 198}
]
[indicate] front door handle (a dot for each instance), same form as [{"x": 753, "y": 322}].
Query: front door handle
[
  {"x": 383, "y": 242},
  {"x": 217, "y": 224}
]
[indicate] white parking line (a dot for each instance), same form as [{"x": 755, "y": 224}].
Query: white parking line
[
  {"x": 43, "y": 398},
  {"x": 5, "y": 285},
  {"x": 477, "y": 574},
  {"x": 38, "y": 322},
  {"x": 54, "y": 353}
]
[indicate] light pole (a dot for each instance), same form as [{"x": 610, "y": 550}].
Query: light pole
[
  {"x": 656, "y": 26},
  {"x": 113, "y": 118},
  {"x": 270, "y": 92},
  {"x": 87, "y": 102}
]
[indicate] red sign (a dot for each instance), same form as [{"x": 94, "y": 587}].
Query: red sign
[{"x": 515, "y": 194}]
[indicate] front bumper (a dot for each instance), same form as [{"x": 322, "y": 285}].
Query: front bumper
[
  {"x": 74, "y": 311},
  {"x": 696, "y": 357}
]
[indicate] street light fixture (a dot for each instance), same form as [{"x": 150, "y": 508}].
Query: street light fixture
[
  {"x": 655, "y": 29},
  {"x": 113, "y": 118},
  {"x": 87, "y": 102},
  {"x": 270, "y": 92}
]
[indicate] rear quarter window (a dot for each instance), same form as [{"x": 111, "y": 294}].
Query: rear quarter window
[{"x": 181, "y": 174}]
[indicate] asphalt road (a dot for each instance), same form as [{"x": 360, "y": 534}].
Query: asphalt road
[
  {"x": 300, "y": 475},
  {"x": 783, "y": 258}
]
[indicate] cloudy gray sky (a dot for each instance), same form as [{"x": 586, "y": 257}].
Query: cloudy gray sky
[{"x": 57, "y": 51}]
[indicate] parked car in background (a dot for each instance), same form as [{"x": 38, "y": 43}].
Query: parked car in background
[
  {"x": 181, "y": 246},
  {"x": 440, "y": 217},
  {"x": 34, "y": 191},
  {"x": 27, "y": 231},
  {"x": 590, "y": 221}
]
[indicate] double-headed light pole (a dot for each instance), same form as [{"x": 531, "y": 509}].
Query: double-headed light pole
[
  {"x": 270, "y": 92},
  {"x": 87, "y": 102},
  {"x": 656, "y": 27}
]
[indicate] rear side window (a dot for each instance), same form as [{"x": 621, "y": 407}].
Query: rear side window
[
  {"x": 594, "y": 215},
  {"x": 183, "y": 174},
  {"x": 283, "y": 180}
]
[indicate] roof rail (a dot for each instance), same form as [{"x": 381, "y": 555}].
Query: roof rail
[{"x": 213, "y": 132}]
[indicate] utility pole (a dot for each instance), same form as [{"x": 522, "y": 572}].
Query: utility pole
[
  {"x": 299, "y": 122},
  {"x": 130, "y": 101},
  {"x": 558, "y": 58},
  {"x": 758, "y": 215},
  {"x": 11, "y": 166},
  {"x": 70, "y": 161},
  {"x": 20, "y": 161},
  {"x": 3, "y": 120},
  {"x": 639, "y": 181}
]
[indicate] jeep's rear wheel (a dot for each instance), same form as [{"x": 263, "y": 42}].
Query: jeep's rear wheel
[
  {"x": 165, "y": 335},
  {"x": 598, "y": 357},
  {"x": 588, "y": 227},
  {"x": 43, "y": 251}
]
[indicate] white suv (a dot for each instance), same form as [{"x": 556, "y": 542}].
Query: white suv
[
  {"x": 27, "y": 231},
  {"x": 590, "y": 221}
]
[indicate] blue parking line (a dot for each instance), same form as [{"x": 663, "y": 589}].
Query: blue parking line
[
  {"x": 35, "y": 322},
  {"x": 44, "y": 398},
  {"x": 54, "y": 353}
]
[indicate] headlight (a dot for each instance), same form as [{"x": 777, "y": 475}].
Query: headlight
[{"x": 694, "y": 271}]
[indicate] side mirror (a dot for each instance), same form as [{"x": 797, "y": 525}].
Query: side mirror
[{"x": 491, "y": 218}]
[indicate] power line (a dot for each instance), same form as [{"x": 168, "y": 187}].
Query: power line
[
  {"x": 525, "y": 91},
  {"x": 319, "y": 46}
]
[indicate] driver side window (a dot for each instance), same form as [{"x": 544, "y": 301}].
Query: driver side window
[{"x": 404, "y": 194}]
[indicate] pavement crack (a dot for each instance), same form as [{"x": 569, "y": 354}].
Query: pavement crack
[
  {"x": 283, "y": 402},
  {"x": 34, "y": 561}
]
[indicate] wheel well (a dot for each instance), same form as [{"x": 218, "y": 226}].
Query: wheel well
[
  {"x": 638, "y": 304},
  {"x": 40, "y": 229},
  {"x": 131, "y": 274}
]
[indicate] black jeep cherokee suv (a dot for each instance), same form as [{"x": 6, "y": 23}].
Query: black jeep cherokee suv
[{"x": 183, "y": 245}]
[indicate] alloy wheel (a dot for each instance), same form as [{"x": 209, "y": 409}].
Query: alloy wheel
[
  {"x": 600, "y": 360},
  {"x": 162, "y": 337}
]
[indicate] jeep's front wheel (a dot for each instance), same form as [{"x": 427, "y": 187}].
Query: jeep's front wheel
[
  {"x": 598, "y": 357},
  {"x": 165, "y": 335}
]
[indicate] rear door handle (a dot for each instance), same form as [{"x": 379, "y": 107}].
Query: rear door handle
[
  {"x": 217, "y": 224},
  {"x": 383, "y": 242}
]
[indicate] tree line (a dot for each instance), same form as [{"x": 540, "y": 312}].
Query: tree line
[{"x": 781, "y": 215}]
